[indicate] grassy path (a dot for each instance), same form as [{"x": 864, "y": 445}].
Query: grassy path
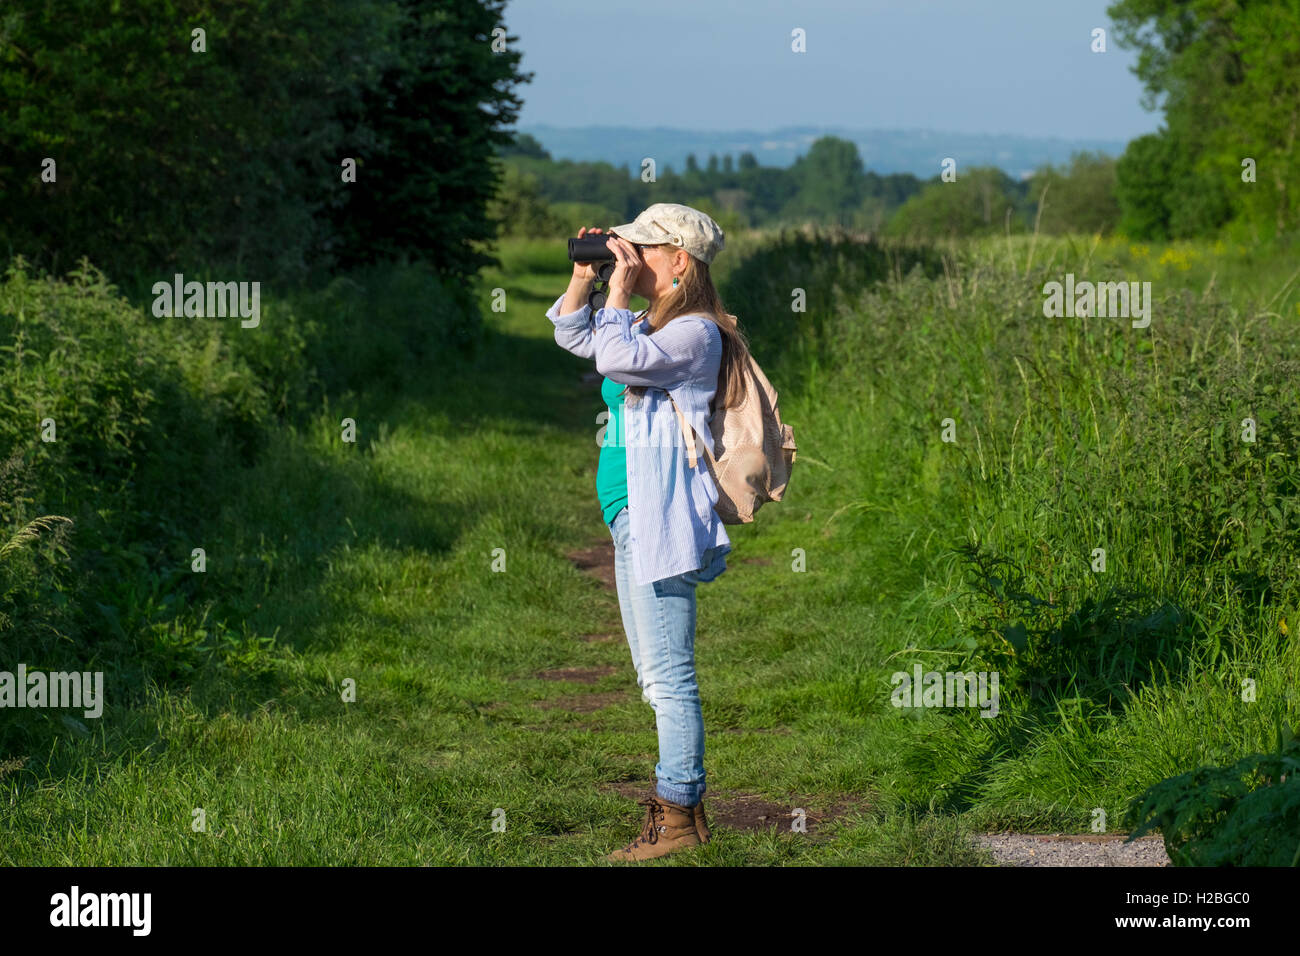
[{"x": 486, "y": 696}]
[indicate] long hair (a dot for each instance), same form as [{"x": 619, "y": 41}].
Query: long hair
[{"x": 696, "y": 295}]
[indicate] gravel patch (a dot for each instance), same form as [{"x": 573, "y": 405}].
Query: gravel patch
[{"x": 1063, "y": 849}]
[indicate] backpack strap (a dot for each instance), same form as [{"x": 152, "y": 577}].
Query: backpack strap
[{"x": 686, "y": 433}]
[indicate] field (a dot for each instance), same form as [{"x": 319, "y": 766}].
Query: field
[{"x": 487, "y": 697}]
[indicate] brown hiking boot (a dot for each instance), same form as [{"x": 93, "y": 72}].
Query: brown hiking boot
[
  {"x": 668, "y": 827},
  {"x": 701, "y": 824}
]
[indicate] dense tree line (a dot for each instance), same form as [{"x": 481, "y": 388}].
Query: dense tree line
[
  {"x": 1227, "y": 76},
  {"x": 129, "y": 137}
]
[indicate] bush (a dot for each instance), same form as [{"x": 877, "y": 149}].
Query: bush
[
  {"x": 385, "y": 324},
  {"x": 153, "y": 422},
  {"x": 130, "y": 426},
  {"x": 1079, "y": 198},
  {"x": 826, "y": 266},
  {"x": 1244, "y": 815},
  {"x": 979, "y": 202}
]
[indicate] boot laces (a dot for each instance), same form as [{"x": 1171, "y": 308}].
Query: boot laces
[{"x": 650, "y": 832}]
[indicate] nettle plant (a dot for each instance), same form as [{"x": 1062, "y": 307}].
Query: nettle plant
[
  {"x": 1247, "y": 814},
  {"x": 1065, "y": 645}
]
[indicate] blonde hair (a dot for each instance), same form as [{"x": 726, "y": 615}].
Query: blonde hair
[{"x": 695, "y": 294}]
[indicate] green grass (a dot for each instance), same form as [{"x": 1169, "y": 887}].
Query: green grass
[
  {"x": 1071, "y": 435},
  {"x": 372, "y": 562},
  {"x": 377, "y": 568}
]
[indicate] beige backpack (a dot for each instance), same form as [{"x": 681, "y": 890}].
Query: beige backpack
[{"x": 753, "y": 451}]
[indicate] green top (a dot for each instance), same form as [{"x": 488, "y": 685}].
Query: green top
[{"x": 611, "y": 471}]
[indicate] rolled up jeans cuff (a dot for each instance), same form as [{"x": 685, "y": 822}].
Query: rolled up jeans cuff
[{"x": 686, "y": 796}]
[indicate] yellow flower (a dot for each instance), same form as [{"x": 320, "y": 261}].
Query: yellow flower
[{"x": 1175, "y": 257}]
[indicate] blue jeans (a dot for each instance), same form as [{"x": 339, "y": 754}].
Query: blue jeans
[{"x": 659, "y": 619}]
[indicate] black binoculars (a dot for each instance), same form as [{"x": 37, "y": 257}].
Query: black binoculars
[{"x": 595, "y": 251}]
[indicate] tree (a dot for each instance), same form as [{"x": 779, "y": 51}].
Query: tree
[
  {"x": 1227, "y": 75},
  {"x": 173, "y": 160},
  {"x": 436, "y": 121},
  {"x": 1262, "y": 118},
  {"x": 168, "y": 159},
  {"x": 526, "y": 145},
  {"x": 518, "y": 208},
  {"x": 830, "y": 181},
  {"x": 770, "y": 188},
  {"x": 977, "y": 203},
  {"x": 1080, "y": 197},
  {"x": 1143, "y": 184}
]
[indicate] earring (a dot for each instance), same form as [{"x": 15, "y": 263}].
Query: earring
[{"x": 674, "y": 282}]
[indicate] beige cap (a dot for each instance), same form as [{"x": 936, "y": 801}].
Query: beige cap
[{"x": 677, "y": 225}]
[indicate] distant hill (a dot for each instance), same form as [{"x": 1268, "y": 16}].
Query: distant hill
[{"x": 884, "y": 151}]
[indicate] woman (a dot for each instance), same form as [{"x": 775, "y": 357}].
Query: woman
[{"x": 660, "y": 511}]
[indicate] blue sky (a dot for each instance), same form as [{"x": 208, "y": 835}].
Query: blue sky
[{"x": 1002, "y": 66}]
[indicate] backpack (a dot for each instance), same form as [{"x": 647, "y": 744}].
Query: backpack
[{"x": 753, "y": 451}]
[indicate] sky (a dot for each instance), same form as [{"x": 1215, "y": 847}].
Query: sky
[{"x": 999, "y": 66}]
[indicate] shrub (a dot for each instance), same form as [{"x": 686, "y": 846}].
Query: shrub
[
  {"x": 1247, "y": 814},
  {"x": 153, "y": 422}
]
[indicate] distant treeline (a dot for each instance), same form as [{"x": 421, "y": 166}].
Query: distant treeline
[{"x": 828, "y": 186}]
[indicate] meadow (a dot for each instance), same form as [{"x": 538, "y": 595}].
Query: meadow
[{"x": 349, "y": 682}]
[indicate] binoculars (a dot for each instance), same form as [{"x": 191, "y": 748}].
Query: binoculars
[{"x": 594, "y": 251}]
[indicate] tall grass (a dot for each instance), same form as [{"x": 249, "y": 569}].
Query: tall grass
[{"x": 1071, "y": 435}]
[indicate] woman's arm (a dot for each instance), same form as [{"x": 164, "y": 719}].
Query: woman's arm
[
  {"x": 575, "y": 296},
  {"x": 571, "y": 314},
  {"x": 572, "y": 328},
  {"x": 662, "y": 360}
]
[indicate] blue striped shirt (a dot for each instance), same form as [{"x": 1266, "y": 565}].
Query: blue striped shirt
[{"x": 670, "y": 506}]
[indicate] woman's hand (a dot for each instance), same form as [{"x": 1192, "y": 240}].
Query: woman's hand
[
  {"x": 584, "y": 277},
  {"x": 585, "y": 271},
  {"x": 627, "y": 268}
]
